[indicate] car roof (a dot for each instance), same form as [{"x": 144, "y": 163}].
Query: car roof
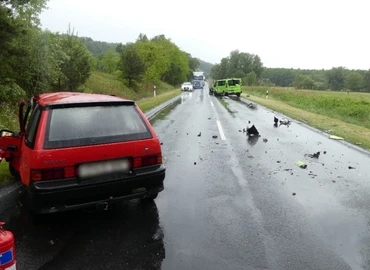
[{"x": 75, "y": 97}]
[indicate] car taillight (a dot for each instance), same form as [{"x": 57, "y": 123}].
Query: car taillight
[
  {"x": 148, "y": 160},
  {"x": 52, "y": 174}
]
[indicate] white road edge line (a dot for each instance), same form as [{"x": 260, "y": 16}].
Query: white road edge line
[
  {"x": 212, "y": 104},
  {"x": 222, "y": 134}
]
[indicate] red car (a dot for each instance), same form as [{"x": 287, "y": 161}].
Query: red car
[{"x": 83, "y": 150}]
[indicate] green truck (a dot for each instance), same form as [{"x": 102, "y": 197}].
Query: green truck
[{"x": 230, "y": 86}]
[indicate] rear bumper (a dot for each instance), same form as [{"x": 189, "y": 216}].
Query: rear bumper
[{"x": 69, "y": 194}]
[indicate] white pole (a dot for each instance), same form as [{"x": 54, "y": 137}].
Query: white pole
[{"x": 155, "y": 94}]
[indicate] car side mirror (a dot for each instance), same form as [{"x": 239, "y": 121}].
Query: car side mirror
[{"x": 6, "y": 133}]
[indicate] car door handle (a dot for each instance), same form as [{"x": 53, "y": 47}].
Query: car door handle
[{"x": 12, "y": 147}]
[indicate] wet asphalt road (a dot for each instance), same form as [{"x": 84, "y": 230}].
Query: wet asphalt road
[{"x": 228, "y": 202}]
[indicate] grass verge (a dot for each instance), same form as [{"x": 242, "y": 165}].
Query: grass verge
[
  {"x": 352, "y": 133},
  {"x": 152, "y": 102},
  {"x": 351, "y": 107}
]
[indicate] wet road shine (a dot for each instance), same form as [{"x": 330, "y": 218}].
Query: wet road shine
[{"x": 228, "y": 202}]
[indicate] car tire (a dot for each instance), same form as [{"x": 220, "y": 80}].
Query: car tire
[{"x": 238, "y": 94}]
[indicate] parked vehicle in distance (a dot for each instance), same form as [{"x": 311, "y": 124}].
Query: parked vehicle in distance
[
  {"x": 234, "y": 87},
  {"x": 231, "y": 86},
  {"x": 219, "y": 87},
  {"x": 197, "y": 84},
  {"x": 83, "y": 150},
  {"x": 199, "y": 76},
  {"x": 187, "y": 86}
]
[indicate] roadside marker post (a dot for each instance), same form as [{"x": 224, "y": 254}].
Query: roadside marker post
[{"x": 155, "y": 94}]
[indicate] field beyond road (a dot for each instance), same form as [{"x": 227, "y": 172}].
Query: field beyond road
[{"x": 343, "y": 114}]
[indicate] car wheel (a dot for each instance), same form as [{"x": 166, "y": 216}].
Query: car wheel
[{"x": 238, "y": 94}]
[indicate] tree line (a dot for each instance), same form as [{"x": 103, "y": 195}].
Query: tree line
[
  {"x": 35, "y": 61},
  {"x": 249, "y": 67},
  {"x": 239, "y": 65},
  {"x": 148, "y": 61},
  {"x": 337, "y": 78}
]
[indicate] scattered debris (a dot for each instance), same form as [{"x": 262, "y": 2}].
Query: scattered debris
[
  {"x": 358, "y": 143},
  {"x": 51, "y": 242},
  {"x": 200, "y": 134},
  {"x": 333, "y": 137},
  {"x": 276, "y": 120},
  {"x": 285, "y": 122},
  {"x": 333, "y": 181},
  {"x": 324, "y": 152},
  {"x": 209, "y": 118},
  {"x": 301, "y": 164},
  {"x": 240, "y": 130},
  {"x": 265, "y": 140},
  {"x": 247, "y": 95},
  {"x": 214, "y": 136},
  {"x": 294, "y": 193},
  {"x": 249, "y": 122},
  {"x": 251, "y": 105},
  {"x": 195, "y": 163},
  {"x": 351, "y": 168},
  {"x": 252, "y": 131},
  {"x": 250, "y": 156},
  {"x": 161, "y": 143},
  {"x": 244, "y": 130},
  {"x": 278, "y": 161},
  {"x": 315, "y": 155}
]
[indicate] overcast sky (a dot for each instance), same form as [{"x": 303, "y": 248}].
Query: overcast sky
[{"x": 284, "y": 33}]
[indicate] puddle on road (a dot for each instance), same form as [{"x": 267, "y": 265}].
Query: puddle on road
[{"x": 162, "y": 115}]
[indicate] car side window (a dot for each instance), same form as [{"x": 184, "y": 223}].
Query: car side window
[{"x": 32, "y": 127}]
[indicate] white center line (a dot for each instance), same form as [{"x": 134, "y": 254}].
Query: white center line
[
  {"x": 212, "y": 104},
  {"x": 222, "y": 134}
]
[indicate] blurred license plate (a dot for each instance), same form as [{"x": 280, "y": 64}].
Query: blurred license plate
[{"x": 104, "y": 167}]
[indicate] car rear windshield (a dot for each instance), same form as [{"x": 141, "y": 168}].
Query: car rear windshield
[
  {"x": 79, "y": 126},
  {"x": 221, "y": 83},
  {"x": 234, "y": 82}
]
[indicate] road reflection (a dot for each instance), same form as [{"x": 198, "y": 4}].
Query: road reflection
[{"x": 128, "y": 236}]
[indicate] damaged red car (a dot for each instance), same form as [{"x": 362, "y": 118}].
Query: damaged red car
[{"x": 77, "y": 150}]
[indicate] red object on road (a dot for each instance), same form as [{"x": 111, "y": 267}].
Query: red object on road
[{"x": 7, "y": 250}]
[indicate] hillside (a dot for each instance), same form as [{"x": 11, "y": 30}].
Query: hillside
[
  {"x": 97, "y": 47},
  {"x": 205, "y": 66}
]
